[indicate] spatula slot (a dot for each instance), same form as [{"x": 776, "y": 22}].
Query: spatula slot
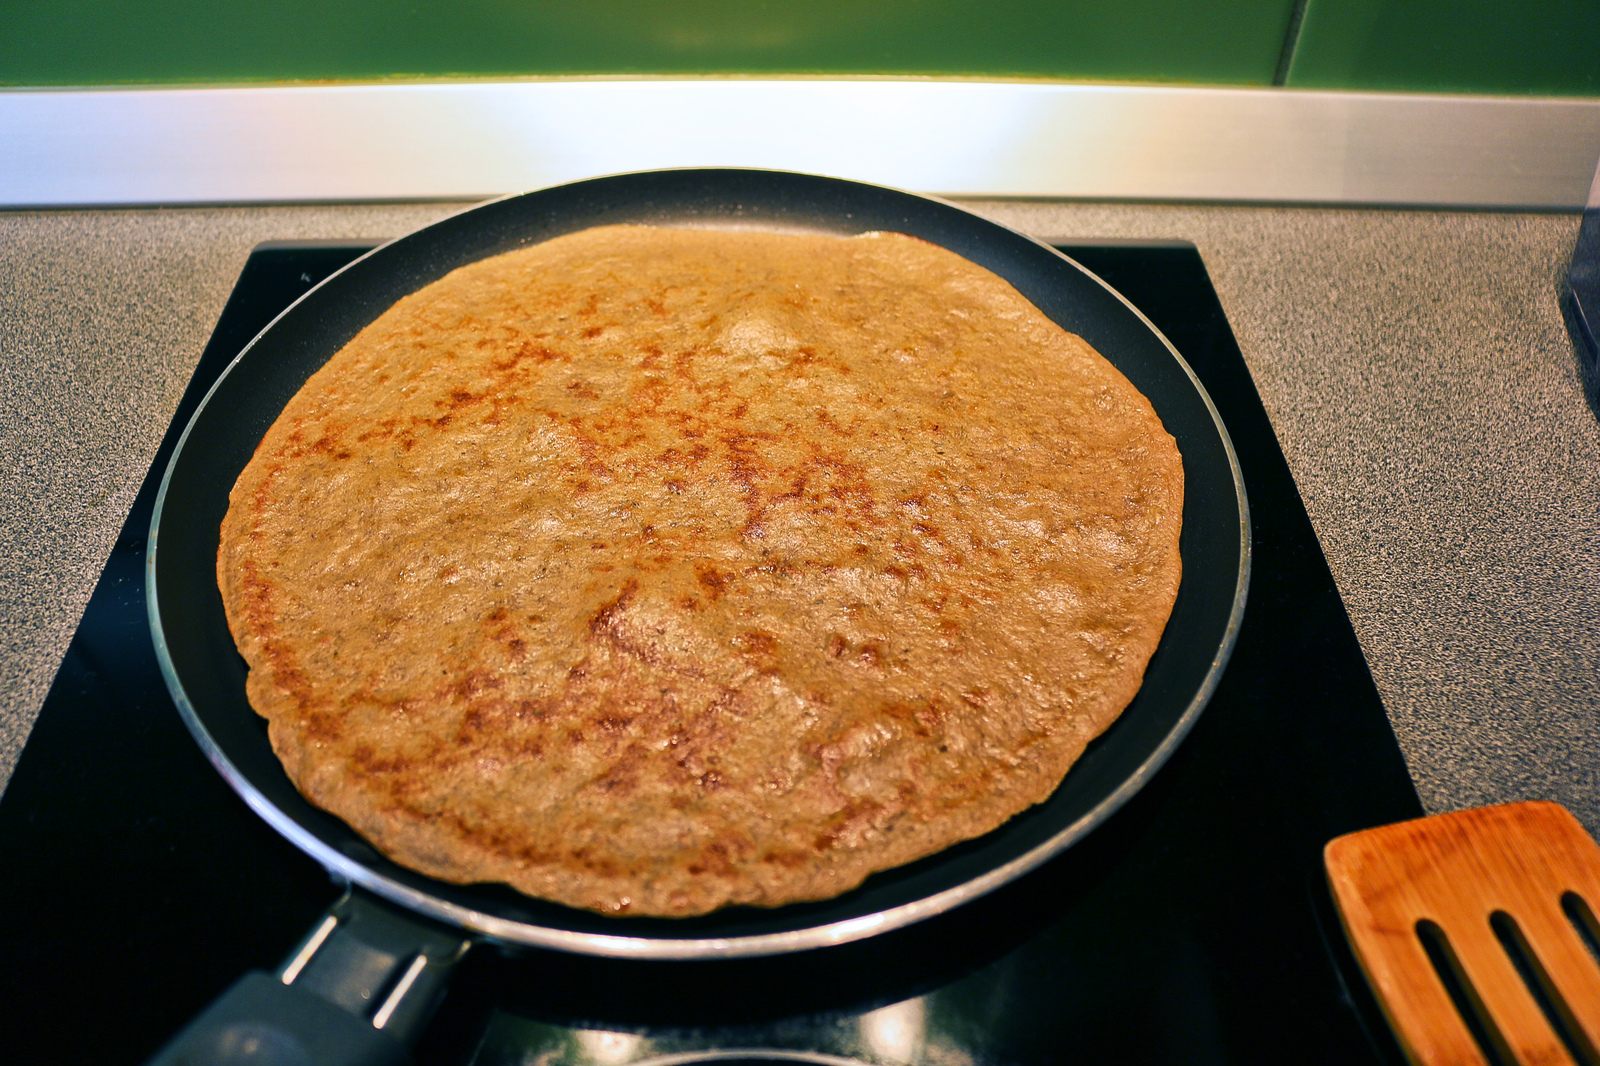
[
  {"x": 1464, "y": 995},
  {"x": 1557, "y": 1011},
  {"x": 1581, "y": 915}
]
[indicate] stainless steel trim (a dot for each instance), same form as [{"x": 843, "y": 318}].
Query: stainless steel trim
[{"x": 461, "y": 140}]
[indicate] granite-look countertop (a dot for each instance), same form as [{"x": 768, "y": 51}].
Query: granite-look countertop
[{"x": 1415, "y": 365}]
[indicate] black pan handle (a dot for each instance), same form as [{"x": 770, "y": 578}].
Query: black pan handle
[{"x": 356, "y": 992}]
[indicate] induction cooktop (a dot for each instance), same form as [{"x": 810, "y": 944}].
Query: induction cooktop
[{"x": 1193, "y": 927}]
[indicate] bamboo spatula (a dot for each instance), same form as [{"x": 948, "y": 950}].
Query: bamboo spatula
[{"x": 1477, "y": 933}]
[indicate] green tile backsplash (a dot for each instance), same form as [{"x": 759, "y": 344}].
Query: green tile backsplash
[
  {"x": 104, "y": 42},
  {"x": 1537, "y": 46},
  {"x": 1491, "y": 46}
]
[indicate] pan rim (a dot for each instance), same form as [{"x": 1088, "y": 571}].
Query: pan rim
[{"x": 349, "y": 870}]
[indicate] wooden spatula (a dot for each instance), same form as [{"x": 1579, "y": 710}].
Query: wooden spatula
[{"x": 1477, "y": 932}]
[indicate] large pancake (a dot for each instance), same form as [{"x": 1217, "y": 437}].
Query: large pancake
[{"x": 652, "y": 570}]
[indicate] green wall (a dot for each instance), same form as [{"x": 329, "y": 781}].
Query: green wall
[
  {"x": 67, "y": 42},
  {"x": 1538, "y": 46},
  {"x": 1546, "y": 46}
]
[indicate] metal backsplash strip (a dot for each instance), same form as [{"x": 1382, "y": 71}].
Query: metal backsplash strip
[{"x": 455, "y": 140}]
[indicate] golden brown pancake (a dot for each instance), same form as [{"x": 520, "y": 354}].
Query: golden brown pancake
[{"x": 651, "y": 571}]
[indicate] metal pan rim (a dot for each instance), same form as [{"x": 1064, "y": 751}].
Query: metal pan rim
[{"x": 508, "y": 931}]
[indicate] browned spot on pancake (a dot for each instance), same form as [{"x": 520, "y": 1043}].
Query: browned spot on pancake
[
  {"x": 370, "y": 762},
  {"x": 826, "y": 418},
  {"x": 475, "y": 723},
  {"x": 477, "y": 683},
  {"x": 851, "y": 822},
  {"x": 604, "y": 865},
  {"x": 719, "y": 856},
  {"x": 757, "y": 642},
  {"x": 529, "y": 352},
  {"x": 791, "y": 858},
  {"x": 604, "y": 620},
  {"x": 713, "y": 579},
  {"x": 614, "y": 724},
  {"x": 623, "y": 775},
  {"x": 317, "y": 726}
]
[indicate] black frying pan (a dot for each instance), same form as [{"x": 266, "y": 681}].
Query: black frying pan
[{"x": 206, "y": 675}]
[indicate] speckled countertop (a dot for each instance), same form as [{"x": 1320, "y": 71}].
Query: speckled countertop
[{"x": 1415, "y": 366}]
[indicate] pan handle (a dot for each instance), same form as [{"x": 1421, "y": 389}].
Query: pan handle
[{"x": 356, "y": 992}]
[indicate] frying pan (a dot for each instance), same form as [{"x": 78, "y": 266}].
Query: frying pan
[{"x": 206, "y": 676}]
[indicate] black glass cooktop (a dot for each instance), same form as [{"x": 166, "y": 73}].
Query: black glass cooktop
[{"x": 1193, "y": 927}]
